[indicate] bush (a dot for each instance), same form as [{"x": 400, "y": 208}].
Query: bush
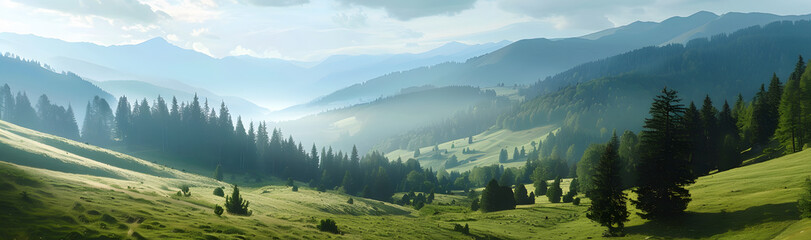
[
  {"x": 804, "y": 204},
  {"x": 569, "y": 197},
  {"x": 289, "y": 182},
  {"x": 474, "y": 206},
  {"x": 328, "y": 225},
  {"x": 218, "y": 210},
  {"x": 185, "y": 190},
  {"x": 219, "y": 192},
  {"x": 459, "y": 228},
  {"x": 25, "y": 197},
  {"x": 350, "y": 201},
  {"x": 576, "y": 201},
  {"x": 295, "y": 188}
]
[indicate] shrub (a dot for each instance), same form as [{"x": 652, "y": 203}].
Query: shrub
[
  {"x": 474, "y": 206},
  {"x": 576, "y": 201},
  {"x": 219, "y": 192},
  {"x": 328, "y": 225},
  {"x": 295, "y": 188},
  {"x": 25, "y": 197},
  {"x": 350, "y": 201},
  {"x": 569, "y": 197},
  {"x": 185, "y": 190},
  {"x": 289, "y": 182},
  {"x": 459, "y": 228},
  {"x": 218, "y": 210}
]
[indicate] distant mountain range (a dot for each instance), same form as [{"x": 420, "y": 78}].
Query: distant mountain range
[
  {"x": 531, "y": 60},
  {"x": 268, "y": 82}
]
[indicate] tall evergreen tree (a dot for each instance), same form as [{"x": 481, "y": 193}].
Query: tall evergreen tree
[
  {"x": 6, "y": 103},
  {"x": 696, "y": 136},
  {"x": 608, "y": 201},
  {"x": 23, "y": 114},
  {"x": 554, "y": 193},
  {"x": 729, "y": 148},
  {"x": 664, "y": 169},
  {"x": 789, "y": 131},
  {"x": 710, "y": 145},
  {"x": 122, "y": 119}
]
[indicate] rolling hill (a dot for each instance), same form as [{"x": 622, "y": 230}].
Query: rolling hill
[
  {"x": 367, "y": 124},
  {"x": 112, "y": 195}
]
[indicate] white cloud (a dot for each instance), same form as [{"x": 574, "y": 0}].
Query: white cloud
[
  {"x": 201, "y": 48},
  {"x": 199, "y": 31},
  {"x": 187, "y": 10},
  {"x": 410, "y": 9},
  {"x": 126, "y": 10},
  {"x": 350, "y": 20},
  {"x": 172, "y": 38},
  {"x": 275, "y": 3},
  {"x": 240, "y": 51}
]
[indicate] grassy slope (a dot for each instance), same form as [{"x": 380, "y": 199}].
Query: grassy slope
[
  {"x": 486, "y": 147},
  {"x": 752, "y": 202}
]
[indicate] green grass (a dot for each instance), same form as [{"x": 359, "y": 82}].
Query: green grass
[
  {"x": 752, "y": 202},
  {"x": 486, "y": 147}
]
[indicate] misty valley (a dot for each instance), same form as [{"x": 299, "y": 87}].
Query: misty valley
[{"x": 165, "y": 120}]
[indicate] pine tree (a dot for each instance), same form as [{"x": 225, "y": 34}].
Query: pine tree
[
  {"x": 122, "y": 119},
  {"x": 6, "y": 103},
  {"x": 235, "y": 204},
  {"x": 664, "y": 169},
  {"x": 539, "y": 184},
  {"x": 554, "y": 193},
  {"x": 218, "y": 172},
  {"x": 789, "y": 132},
  {"x": 608, "y": 201},
  {"x": 502, "y": 156},
  {"x": 729, "y": 153},
  {"x": 520, "y": 195},
  {"x": 711, "y": 141}
]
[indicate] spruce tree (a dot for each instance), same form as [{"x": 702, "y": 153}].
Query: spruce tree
[
  {"x": 711, "y": 140},
  {"x": 554, "y": 193},
  {"x": 729, "y": 153},
  {"x": 608, "y": 201},
  {"x": 235, "y": 204},
  {"x": 218, "y": 172},
  {"x": 664, "y": 168},
  {"x": 122, "y": 119},
  {"x": 789, "y": 132},
  {"x": 540, "y": 186},
  {"x": 520, "y": 195}
]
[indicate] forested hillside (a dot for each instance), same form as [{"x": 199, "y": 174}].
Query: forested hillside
[
  {"x": 35, "y": 79},
  {"x": 530, "y": 60},
  {"x": 622, "y": 86},
  {"x": 367, "y": 124}
]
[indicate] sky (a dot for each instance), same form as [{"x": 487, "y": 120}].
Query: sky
[{"x": 311, "y": 30}]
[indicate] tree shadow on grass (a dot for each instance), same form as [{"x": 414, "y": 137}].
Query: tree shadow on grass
[{"x": 704, "y": 225}]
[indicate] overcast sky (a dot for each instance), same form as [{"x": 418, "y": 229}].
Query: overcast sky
[{"x": 311, "y": 30}]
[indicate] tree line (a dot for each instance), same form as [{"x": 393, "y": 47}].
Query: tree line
[{"x": 47, "y": 117}]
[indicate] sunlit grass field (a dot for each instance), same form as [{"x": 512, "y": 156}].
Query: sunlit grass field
[{"x": 109, "y": 195}]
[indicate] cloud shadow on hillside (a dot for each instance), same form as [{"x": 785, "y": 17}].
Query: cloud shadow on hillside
[{"x": 705, "y": 225}]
